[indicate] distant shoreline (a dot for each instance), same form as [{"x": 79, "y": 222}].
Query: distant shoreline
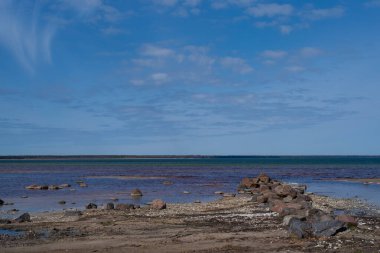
[{"x": 64, "y": 157}]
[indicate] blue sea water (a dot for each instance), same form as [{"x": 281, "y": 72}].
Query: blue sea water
[{"x": 199, "y": 176}]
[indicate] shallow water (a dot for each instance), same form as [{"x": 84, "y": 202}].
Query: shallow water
[{"x": 201, "y": 177}]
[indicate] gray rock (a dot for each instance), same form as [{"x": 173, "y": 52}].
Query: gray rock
[
  {"x": 91, "y": 206},
  {"x": 25, "y": 217},
  {"x": 124, "y": 207},
  {"x": 327, "y": 228},
  {"x": 288, "y": 199},
  {"x": 301, "y": 229},
  {"x": 110, "y": 206},
  {"x": 288, "y": 218},
  {"x": 62, "y": 202},
  {"x": 1, "y": 202}
]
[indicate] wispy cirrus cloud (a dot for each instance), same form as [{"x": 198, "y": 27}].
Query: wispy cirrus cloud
[{"x": 24, "y": 34}]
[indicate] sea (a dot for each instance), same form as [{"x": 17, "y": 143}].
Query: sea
[{"x": 191, "y": 179}]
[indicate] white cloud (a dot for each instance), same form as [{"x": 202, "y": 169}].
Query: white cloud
[
  {"x": 23, "y": 34},
  {"x": 317, "y": 14},
  {"x": 373, "y": 3},
  {"x": 236, "y": 64},
  {"x": 274, "y": 54},
  {"x": 83, "y": 6},
  {"x": 271, "y": 10},
  {"x": 310, "y": 52},
  {"x": 286, "y": 29},
  {"x": 165, "y": 2},
  {"x": 155, "y": 51},
  {"x": 160, "y": 77},
  {"x": 295, "y": 69},
  {"x": 192, "y": 3}
]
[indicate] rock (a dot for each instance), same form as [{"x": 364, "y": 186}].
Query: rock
[
  {"x": 263, "y": 178},
  {"x": 5, "y": 221},
  {"x": 1, "y": 202},
  {"x": 300, "y": 188},
  {"x": 285, "y": 190},
  {"x": 247, "y": 182},
  {"x": 254, "y": 198},
  {"x": 286, "y": 220},
  {"x": 229, "y": 195},
  {"x": 82, "y": 184},
  {"x": 136, "y": 193},
  {"x": 62, "y": 202},
  {"x": 124, "y": 207},
  {"x": 303, "y": 197},
  {"x": 25, "y": 217},
  {"x": 197, "y": 201},
  {"x": 91, "y": 206},
  {"x": 167, "y": 183},
  {"x": 288, "y": 199},
  {"x": 158, "y": 204},
  {"x": 349, "y": 220},
  {"x": 301, "y": 229},
  {"x": 115, "y": 199},
  {"x": 136, "y": 206},
  {"x": 64, "y": 185},
  {"x": 262, "y": 199},
  {"x": 37, "y": 187},
  {"x": 24, "y": 197},
  {"x": 71, "y": 213},
  {"x": 327, "y": 228},
  {"x": 316, "y": 215},
  {"x": 110, "y": 206},
  {"x": 218, "y": 192},
  {"x": 54, "y": 187},
  {"x": 264, "y": 188}
]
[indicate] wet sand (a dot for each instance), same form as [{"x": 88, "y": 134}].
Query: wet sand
[{"x": 226, "y": 225}]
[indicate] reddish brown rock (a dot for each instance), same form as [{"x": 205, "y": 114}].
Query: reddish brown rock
[
  {"x": 285, "y": 190},
  {"x": 262, "y": 199},
  {"x": 124, "y": 207},
  {"x": 264, "y": 188},
  {"x": 136, "y": 193},
  {"x": 247, "y": 182},
  {"x": 158, "y": 204},
  {"x": 264, "y": 178}
]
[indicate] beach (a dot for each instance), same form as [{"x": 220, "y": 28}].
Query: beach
[{"x": 226, "y": 225}]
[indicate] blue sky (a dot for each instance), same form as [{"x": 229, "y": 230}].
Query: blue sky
[{"x": 238, "y": 77}]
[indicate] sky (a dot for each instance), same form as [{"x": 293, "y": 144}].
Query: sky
[{"x": 232, "y": 77}]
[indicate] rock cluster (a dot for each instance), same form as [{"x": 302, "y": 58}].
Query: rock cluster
[
  {"x": 47, "y": 187},
  {"x": 295, "y": 207}
]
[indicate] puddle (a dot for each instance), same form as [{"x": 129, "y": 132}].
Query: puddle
[{"x": 10, "y": 232}]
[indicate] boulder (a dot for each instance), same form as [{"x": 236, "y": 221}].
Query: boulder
[
  {"x": 64, "y": 185},
  {"x": 262, "y": 199},
  {"x": 263, "y": 178},
  {"x": 54, "y": 187},
  {"x": 158, "y": 204},
  {"x": 91, "y": 206},
  {"x": 286, "y": 220},
  {"x": 327, "y": 228},
  {"x": 288, "y": 199},
  {"x": 82, "y": 184},
  {"x": 347, "y": 219},
  {"x": 62, "y": 202},
  {"x": 37, "y": 187},
  {"x": 264, "y": 188},
  {"x": 300, "y": 188},
  {"x": 136, "y": 193},
  {"x": 110, "y": 206},
  {"x": 218, "y": 192},
  {"x": 303, "y": 197},
  {"x": 317, "y": 215},
  {"x": 44, "y": 187},
  {"x": 1, "y": 202},
  {"x": 300, "y": 228},
  {"x": 124, "y": 207},
  {"x": 25, "y": 217},
  {"x": 285, "y": 190},
  {"x": 246, "y": 182},
  {"x": 229, "y": 195},
  {"x": 5, "y": 221},
  {"x": 254, "y": 198}
]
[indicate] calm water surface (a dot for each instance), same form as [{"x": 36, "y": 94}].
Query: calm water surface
[{"x": 201, "y": 177}]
